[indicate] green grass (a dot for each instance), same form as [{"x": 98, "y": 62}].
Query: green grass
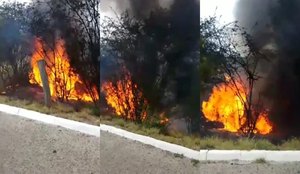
[
  {"x": 260, "y": 161},
  {"x": 240, "y": 144},
  {"x": 177, "y": 155},
  {"x": 195, "y": 162},
  {"x": 248, "y": 144},
  {"x": 58, "y": 109}
]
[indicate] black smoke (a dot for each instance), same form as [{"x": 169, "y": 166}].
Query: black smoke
[
  {"x": 137, "y": 8},
  {"x": 169, "y": 51},
  {"x": 277, "y": 22}
]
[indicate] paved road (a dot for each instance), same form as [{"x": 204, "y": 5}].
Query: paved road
[
  {"x": 119, "y": 155},
  {"x": 30, "y": 147},
  {"x": 249, "y": 168}
]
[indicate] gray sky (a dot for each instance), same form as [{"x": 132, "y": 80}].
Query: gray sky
[{"x": 223, "y": 8}]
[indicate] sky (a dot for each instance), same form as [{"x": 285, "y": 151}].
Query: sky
[
  {"x": 107, "y": 8},
  {"x": 223, "y": 8}
]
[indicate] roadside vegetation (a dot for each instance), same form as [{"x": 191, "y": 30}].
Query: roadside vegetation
[
  {"x": 197, "y": 143},
  {"x": 85, "y": 114}
]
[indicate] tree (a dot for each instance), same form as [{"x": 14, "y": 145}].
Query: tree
[
  {"x": 77, "y": 23},
  {"x": 15, "y": 44},
  {"x": 86, "y": 35},
  {"x": 161, "y": 56},
  {"x": 238, "y": 61}
]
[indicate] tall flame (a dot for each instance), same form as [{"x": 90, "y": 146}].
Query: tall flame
[
  {"x": 64, "y": 83},
  {"x": 226, "y": 106},
  {"x": 125, "y": 98}
]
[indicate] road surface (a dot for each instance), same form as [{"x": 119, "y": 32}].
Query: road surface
[
  {"x": 235, "y": 167},
  {"x": 120, "y": 155},
  {"x": 28, "y": 146}
]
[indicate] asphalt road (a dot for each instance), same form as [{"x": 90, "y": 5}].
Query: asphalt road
[
  {"x": 235, "y": 167},
  {"x": 31, "y": 147},
  {"x": 28, "y": 146},
  {"x": 120, "y": 155}
]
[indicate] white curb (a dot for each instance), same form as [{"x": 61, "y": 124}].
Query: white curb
[
  {"x": 174, "y": 148},
  {"x": 202, "y": 155},
  {"x": 49, "y": 119},
  {"x": 207, "y": 155}
]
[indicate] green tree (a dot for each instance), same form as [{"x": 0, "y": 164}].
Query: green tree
[{"x": 15, "y": 44}]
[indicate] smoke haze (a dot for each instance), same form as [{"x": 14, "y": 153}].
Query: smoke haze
[
  {"x": 276, "y": 22},
  {"x": 137, "y": 8}
]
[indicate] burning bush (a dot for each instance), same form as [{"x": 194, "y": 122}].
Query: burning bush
[
  {"x": 64, "y": 83},
  {"x": 125, "y": 98},
  {"x": 226, "y": 105},
  {"x": 237, "y": 102}
]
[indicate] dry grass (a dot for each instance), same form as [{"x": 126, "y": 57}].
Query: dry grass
[
  {"x": 248, "y": 144},
  {"x": 198, "y": 143}
]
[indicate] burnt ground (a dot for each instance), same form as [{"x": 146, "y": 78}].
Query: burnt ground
[{"x": 31, "y": 93}]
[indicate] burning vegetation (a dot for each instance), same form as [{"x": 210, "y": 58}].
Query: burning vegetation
[
  {"x": 64, "y": 83},
  {"x": 125, "y": 98},
  {"x": 226, "y": 105},
  {"x": 157, "y": 42}
]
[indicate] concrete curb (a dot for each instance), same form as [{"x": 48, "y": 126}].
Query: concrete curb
[
  {"x": 49, "y": 119},
  {"x": 207, "y": 155},
  {"x": 252, "y": 155},
  {"x": 173, "y": 148},
  {"x": 202, "y": 155}
]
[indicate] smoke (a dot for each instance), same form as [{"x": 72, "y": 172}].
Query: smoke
[
  {"x": 255, "y": 16},
  {"x": 275, "y": 22},
  {"x": 168, "y": 50},
  {"x": 137, "y": 8}
]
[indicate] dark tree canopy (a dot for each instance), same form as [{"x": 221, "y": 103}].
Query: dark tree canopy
[
  {"x": 15, "y": 44},
  {"x": 162, "y": 53}
]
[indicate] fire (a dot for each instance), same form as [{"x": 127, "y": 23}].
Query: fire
[
  {"x": 225, "y": 105},
  {"x": 125, "y": 98},
  {"x": 64, "y": 83},
  {"x": 163, "y": 119}
]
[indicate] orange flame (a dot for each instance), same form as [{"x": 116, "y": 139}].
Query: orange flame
[
  {"x": 163, "y": 119},
  {"x": 64, "y": 83},
  {"x": 125, "y": 98},
  {"x": 226, "y": 106}
]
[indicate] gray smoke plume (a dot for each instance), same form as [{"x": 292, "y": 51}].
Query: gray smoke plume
[
  {"x": 255, "y": 16},
  {"x": 137, "y": 8},
  {"x": 277, "y": 22}
]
